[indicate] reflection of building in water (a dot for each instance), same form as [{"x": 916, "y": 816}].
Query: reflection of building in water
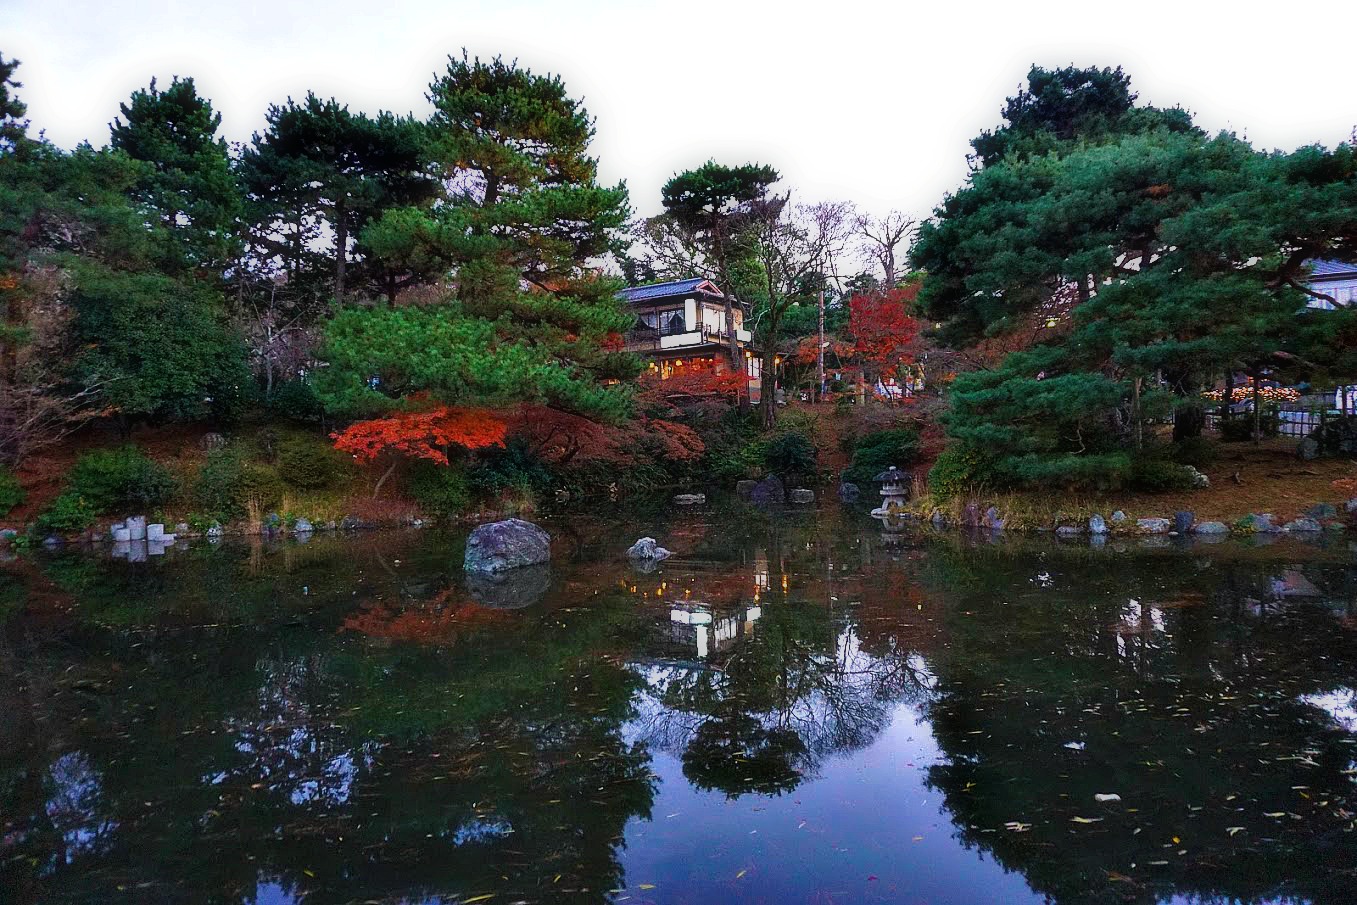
[{"x": 696, "y": 627}]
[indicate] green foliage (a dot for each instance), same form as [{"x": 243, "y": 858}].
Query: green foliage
[
  {"x": 1152, "y": 475},
  {"x": 790, "y": 454},
  {"x": 511, "y": 467},
  {"x": 110, "y": 478},
  {"x": 379, "y": 356},
  {"x": 876, "y": 452},
  {"x": 296, "y": 400},
  {"x": 1195, "y": 451},
  {"x": 227, "y": 485},
  {"x": 440, "y": 490},
  {"x": 960, "y": 469},
  {"x": 1239, "y": 428},
  {"x": 69, "y": 513},
  {"x": 309, "y": 463},
  {"x": 11, "y": 494}
]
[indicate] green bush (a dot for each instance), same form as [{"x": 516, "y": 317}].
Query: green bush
[
  {"x": 227, "y": 484},
  {"x": 11, "y": 494},
  {"x": 440, "y": 490},
  {"x": 790, "y": 454},
  {"x": 296, "y": 401},
  {"x": 1157, "y": 476},
  {"x": 1195, "y": 451},
  {"x": 959, "y": 469},
  {"x": 878, "y": 451},
  {"x": 70, "y": 512},
  {"x": 309, "y": 463},
  {"x": 513, "y": 465},
  {"x": 1238, "y": 428},
  {"x": 109, "y": 478}
]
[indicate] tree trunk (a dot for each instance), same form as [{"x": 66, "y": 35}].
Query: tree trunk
[
  {"x": 1257, "y": 412},
  {"x": 382, "y": 480},
  {"x": 341, "y": 250},
  {"x": 1135, "y": 412},
  {"x": 769, "y": 394},
  {"x": 820, "y": 354}
]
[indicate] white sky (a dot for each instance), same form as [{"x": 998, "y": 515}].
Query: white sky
[{"x": 868, "y": 102}]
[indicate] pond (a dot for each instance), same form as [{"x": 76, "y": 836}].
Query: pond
[{"x": 798, "y": 707}]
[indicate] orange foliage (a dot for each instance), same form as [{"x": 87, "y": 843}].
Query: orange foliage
[
  {"x": 695, "y": 377},
  {"x": 421, "y": 435},
  {"x": 561, "y": 439},
  {"x": 1346, "y": 486},
  {"x": 433, "y": 624},
  {"x": 882, "y": 329}
]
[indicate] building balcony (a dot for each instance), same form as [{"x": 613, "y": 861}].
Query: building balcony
[{"x": 650, "y": 340}]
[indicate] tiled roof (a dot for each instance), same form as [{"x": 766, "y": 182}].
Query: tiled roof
[
  {"x": 1332, "y": 269},
  {"x": 660, "y": 290}
]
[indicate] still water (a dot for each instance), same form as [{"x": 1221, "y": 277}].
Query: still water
[{"x": 795, "y": 708}]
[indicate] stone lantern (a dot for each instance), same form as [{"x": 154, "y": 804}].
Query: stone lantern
[{"x": 895, "y": 486}]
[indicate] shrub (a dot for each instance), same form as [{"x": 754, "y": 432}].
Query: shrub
[
  {"x": 512, "y": 466},
  {"x": 70, "y": 512},
  {"x": 309, "y": 463},
  {"x": 1194, "y": 451},
  {"x": 296, "y": 401},
  {"x": 227, "y": 484},
  {"x": 790, "y": 454},
  {"x": 1239, "y": 427},
  {"x": 440, "y": 490},
  {"x": 108, "y": 478},
  {"x": 1158, "y": 476},
  {"x": 878, "y": 451},
  {"x": 11, "y": 494},
  {"x": 959, "y": 469}
]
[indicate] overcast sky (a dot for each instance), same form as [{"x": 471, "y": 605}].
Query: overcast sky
[{"x": 868, "y": 102}]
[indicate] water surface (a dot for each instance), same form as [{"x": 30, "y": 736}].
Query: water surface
[{"x": 796, "y": 708}]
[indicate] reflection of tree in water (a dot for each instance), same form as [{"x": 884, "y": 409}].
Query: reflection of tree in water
[
  {"x": 804, "y": 683},
  {"x": 1173, "y": 682},
  {"x": 213, "y": 763}
]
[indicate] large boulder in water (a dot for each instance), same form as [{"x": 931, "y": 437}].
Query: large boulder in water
[
  {"x": 769, "y": 490},
  {"x": 509, "y": 544}
]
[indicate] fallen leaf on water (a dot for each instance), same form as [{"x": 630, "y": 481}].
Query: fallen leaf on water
[
  {"x": 646, "y": 886},
  {"x": 1274, "y": 813},
  {"x": 1234, "y": 829},
  {"x": 308, "y": 873},
  {"x": 741, "y": 874},
  {"x": 1086, "y": 819},
  {"x": 1107, "y": 796},
  {"x": 488, "y": 895},
  {"x": 918, "y": 838}
]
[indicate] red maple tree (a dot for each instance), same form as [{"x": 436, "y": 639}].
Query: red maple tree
[
  {"x": 419, "y": 435},
  {"x": 883, "y": 331}
]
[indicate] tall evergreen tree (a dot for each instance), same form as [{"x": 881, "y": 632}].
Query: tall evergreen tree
[
  {"x": 318, "y": 164},
  {"x": 516, "y": 235},
  {"x": 189, "y": 185}
]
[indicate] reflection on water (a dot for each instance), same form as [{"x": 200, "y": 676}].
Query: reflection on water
[{"x": 792, "y": 709}]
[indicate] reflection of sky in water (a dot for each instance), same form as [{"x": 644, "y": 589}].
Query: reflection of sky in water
[
  {"x": 73, "y": 806},
  {"x": 1341, "y": 704}
]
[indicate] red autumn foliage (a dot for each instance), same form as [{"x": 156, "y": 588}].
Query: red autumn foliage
[
  {"x": 421, "y": 435},
  {"x": 695, "y": 378},
  {"x": 562, "y": 439},
  {"x": 883, "y": 332}
]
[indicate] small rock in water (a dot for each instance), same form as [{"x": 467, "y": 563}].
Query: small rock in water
[
  {"x": 646, "y": 548},
  {"x": 1182, "y": 521},
  {"x": 690, "y": 499},
  {"x": 1322, "y": 510},
  {"x": 801, "y": 495},
  {"x": 1069, "y": 531},
  {"x": 993, "y": 520},
  {"x": 303, "y": 526},
  {"x": 1107, "y": 796},
  {"x": 1096, "y": 524},
  {"x": 1302, "y": 525},
  {"x": 1152, "y": 525},
  {"x": 1210, "y": 528},
  {"x": 1118, "y": 517},
  {"x": 939, "y": 520}
]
